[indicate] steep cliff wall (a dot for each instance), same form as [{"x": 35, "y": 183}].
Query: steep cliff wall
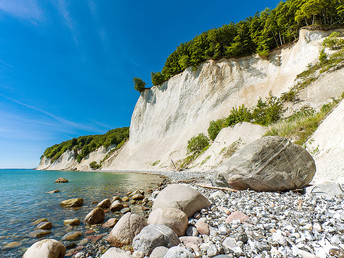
[{"x": 166, "y": 117}]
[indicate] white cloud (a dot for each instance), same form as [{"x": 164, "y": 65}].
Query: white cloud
[{"x": 22, "y": 9}]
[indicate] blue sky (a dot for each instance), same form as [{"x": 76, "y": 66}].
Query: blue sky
[{"x": 66, "y": 66}]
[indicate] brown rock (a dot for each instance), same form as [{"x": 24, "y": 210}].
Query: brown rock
[
  {"x": 76, "y": 202},
  {"x": 202, "y": 226},
  {"x": 110, "y": 223},
  {"x": 54, "y": 191},
  {"x": 61, "y": 180},
  {"x": 104, "y": 204},
  {"x": 116, "y": 206},
  {"x": 45, "y": 225},
  {"x": 173, "y": 218},
  {"x": 137, "y": 196},
  {"x": 125, "y": 199},
  {"x": 39, "y": 233},
  {"x": 95, "y": 216},
  {"x": 237, "y": 215},
  {"x": 36, "y": 222},
  {"x": 49, "y": 248},
  {"x": 12, "y": 245},
  {"x": 126, "y": 229},
  {"x": 72, "y": 222},
  {"x": 116, "y": 198},
  {"x": 74, "y": 235}
]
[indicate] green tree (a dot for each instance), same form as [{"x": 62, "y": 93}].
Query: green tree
[
  {"x": 157, "y": 78},
  {"x": 214, "y": 128},
  {"x": 197, "y": 143},
  {"x": 139, "y": 84}
]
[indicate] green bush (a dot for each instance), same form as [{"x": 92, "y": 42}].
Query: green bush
[
  {"x": 215, "y": 127},
  {"x": 268, "y": 111},
  {"x": 94, "y": 165},
  {"x": 139, "y": 84},
  {"x": 240, "y": 114},
  {"x": 197, "y": 143},
  {"x": 322, "y": 56},
  {"x": 157, "y": 78}
]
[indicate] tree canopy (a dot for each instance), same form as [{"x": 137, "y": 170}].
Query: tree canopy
[{"x": 260, "y": 34}]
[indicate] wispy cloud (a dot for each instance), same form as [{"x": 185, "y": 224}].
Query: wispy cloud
[
  {"x": 22, "y": 9},
  {"x": 58, "y": 119}
]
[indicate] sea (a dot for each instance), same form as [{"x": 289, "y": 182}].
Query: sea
[{"x": 24, "y": 199}]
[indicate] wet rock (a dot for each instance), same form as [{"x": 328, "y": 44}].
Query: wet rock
[
  {"x": 137, "y": 196},
  {"x": 181, "y": 197},
  {"x": 126, "y": 229},
  {"x": 53, "y": 191},
  {"x": 125, "y": 199},
  {"x": 173, "y": 218},
  {"x": 237, "y": 215},
  {"x": 132, "y": 202},
  {"x": 95, "y": 216},
  {"x": 116, "y": 252},
  {"x": 75, "y": 202},
  {"x": 46, "y": 248},
  {"x": 153, "y": 236},
  {"x": 159, "y": 252},
  {"x": 202, "y": 226},
  {"x": 12, "y": 245},
  {"x": 116, "y": 198},
  {"x": 74, "y": 235},
  {"x": 179, "y": 252},
  {"x": 125, "y": 210},
  {"x": 40, "y": 233},
  {"x": 45, "y": 225},
  {"x": 110, "y": 223},
  {"x": 69, "y": 245},
  {"x": 72, "y": 222},
  {"x": 36, "y": 222},
  {"x": 271, "y": 163},
  {"x": 61, "y": 180},
  {"x": 106, "y": 203},
  {"x": 116, "y": 206}
]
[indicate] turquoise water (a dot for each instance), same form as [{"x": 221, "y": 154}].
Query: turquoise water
[{"x": 23, "y": 199}]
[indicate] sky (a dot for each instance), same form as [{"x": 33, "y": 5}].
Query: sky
[{"x": 67, "y": 66}]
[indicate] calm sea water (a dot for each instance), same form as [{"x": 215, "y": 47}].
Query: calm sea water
[{"x": 23, "y": 199}]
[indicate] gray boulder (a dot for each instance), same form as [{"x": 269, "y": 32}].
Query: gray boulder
[
  {"x": 95, "y": 216},
  {"x": 49, "y": 248},
  {"x": 271, "y": 163},
  {"x": 182, "y": 197},
  {"x": 153, "y": 236},
  {"x": 179, "y": 252},
  {"x": 126, "y": 229},
  {"x": 116, "y": 252},
  {"x": 173, "y": 218}
]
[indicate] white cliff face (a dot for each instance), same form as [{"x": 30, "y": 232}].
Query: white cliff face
[{"x": 166, "y": 117}]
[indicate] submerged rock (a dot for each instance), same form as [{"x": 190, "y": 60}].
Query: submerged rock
[
  {"x": 76, "y": 202},
  {"x": 39, "y": 233},
  {"x": 36, "y": 222},
  {"x": 45, "y": 225},
  {"x": 72, "y": 222},
  {"x": 271, "y": 163},
  {"x": 74, "y": 235},
  {"x": 61, "y": 180},
  {"x": 49, "y": 248}
]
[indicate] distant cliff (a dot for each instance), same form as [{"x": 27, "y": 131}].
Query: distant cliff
[{"x": 166, "y": 117}]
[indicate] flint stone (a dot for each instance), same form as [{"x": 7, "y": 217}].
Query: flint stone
[
  {"x": 152, "y": 236},
  {"x": 49, "y": 248},
  {"x": 76, "y": 202},
  {"x": 116, "y": 252},
  {"x": 159, "y": 252},
  {"x": 110, "y": 223},
  {"x": 181, "y": 197},
  {"x": 179, "y": 252},
  {"x": 39, "y": 233},
  {"x": 72, "y": 222},
  {"x": 95, "y": 216},
  {"x": 271, "y": 163},
  {"x": 116, "y": 206},
  {"x": 126, "y": 229},
  {"x": 104, "y": 204},
  {"x": 173, "y": 218},
  {"x": 61, "y": 180},
  {"x": 191, "y": 231},
  {"x": 45, "y": 225}
]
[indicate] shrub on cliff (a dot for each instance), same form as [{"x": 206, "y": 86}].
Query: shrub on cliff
[
  {"x": 197, "y": 143},
  {"x": 139, "y": 84}
]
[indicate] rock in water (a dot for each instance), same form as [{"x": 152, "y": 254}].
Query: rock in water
[
  {"x": 126, "y": 229},
  {"x": 104, "y": 204},
  {"x": 76, "y": 202},
  {"x": 61, "y": 180},
  {"x": 173, "y": 218},
  {"x": 271, "y": 163},
  {"x": 95, "y": 216},
  {"x": 181, "y": 197},
  {"x": 46, "y": 248},
  {"x": 153, "y": 236}
]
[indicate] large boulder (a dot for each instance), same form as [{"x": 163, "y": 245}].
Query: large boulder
[
  {"x": 153, "y": 236},
  {"x": 173, "y": 218},
  {"x": 182, "y": 197},
  {"x": 75, "y": 202},
  {"x": 126, "y": 229},
  {"x": 61, "y": 180},
  {"x": 48, "y": 248},
  {"x": 271, "y": 163},
  {"x": 95, "y": 216}
]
